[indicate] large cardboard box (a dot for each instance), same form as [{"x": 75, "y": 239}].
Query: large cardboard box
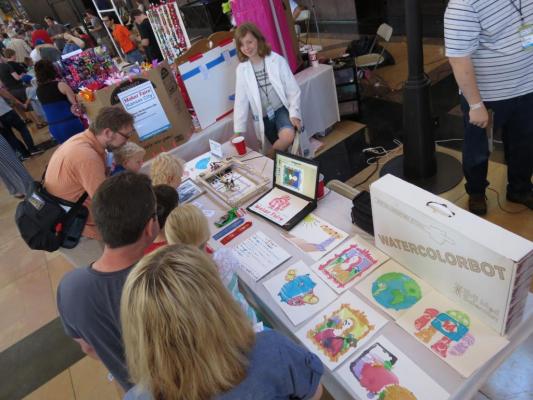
[
  {"x": 475, "y": 263},
  {"x": 171, "y": 126}
]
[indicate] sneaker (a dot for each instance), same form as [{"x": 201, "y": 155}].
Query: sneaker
[
  {"x": 36, "y": 151},
  {"x": 477, "y": 204},
  {"x": 521, "y": 198}
]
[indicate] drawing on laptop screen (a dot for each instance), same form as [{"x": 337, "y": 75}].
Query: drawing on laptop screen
[{"x": 295, "y": 175}]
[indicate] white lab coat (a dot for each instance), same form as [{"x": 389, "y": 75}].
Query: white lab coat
[{"x": 247, "y": 94}]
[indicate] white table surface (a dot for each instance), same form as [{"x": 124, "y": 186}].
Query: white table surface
[{"x": 336, "y": 210}]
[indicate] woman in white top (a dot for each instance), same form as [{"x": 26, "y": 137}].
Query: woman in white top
[{"x": 266, "y": 85}]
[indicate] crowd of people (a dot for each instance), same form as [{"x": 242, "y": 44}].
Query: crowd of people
[
  {"x": 33, "y": 92},
  {"x": 148, "y": 282}
]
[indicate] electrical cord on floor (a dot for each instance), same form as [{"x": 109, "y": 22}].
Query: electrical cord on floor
[{"x": 500, "y": 205}]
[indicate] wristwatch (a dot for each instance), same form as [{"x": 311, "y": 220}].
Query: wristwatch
[{"x": 476, "y": 106}]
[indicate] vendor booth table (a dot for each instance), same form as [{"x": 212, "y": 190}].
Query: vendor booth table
[
  {"x": 335, "y": 209},
  {"x": 319, "y": 112}
]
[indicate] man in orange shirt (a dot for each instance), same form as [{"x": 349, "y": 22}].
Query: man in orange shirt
[
  {"x": 123, "y": 37},
  {"x": 79, "y": 165}
]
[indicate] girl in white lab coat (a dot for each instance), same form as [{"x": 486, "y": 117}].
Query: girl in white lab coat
[{"x": 266, "y": 86}]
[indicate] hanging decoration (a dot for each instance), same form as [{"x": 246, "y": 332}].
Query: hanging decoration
[{"x": 169, "y": 29}]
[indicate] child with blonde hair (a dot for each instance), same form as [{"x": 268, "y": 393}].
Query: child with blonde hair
[
  {"x": 187, "y": 224},
  {"x": 128, "y": 158},
  {"x": 167, "y": 170}
]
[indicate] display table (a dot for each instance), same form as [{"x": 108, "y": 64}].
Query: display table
[
  {"x": 336, "y": 209},
  {"x": 319, "y": 112},
  {"x": 319, "y": 106}
]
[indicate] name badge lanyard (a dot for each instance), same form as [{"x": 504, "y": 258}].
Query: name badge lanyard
[
  {"x": 526, "y": 30},
  {"x": 518, "y": 8},
  {"x": 263, "y": 87}
]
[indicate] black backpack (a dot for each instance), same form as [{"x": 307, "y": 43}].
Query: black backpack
[{"x": 46, "y": 222}]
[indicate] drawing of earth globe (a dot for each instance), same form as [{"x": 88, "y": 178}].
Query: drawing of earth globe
[{"x": 396, "y": 290}]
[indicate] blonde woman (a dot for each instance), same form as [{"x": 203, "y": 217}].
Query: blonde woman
[
  {"x": 188, "y": 225},
  {"x": 266, "y": 85},
  {"x": 166, "y": 170},
  {"x": 185, "y": 339}
]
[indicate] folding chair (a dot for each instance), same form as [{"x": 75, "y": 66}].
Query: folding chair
[{"x": 374, "y": 59}]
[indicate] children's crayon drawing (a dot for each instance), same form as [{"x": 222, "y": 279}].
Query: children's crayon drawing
[
  {"x": 315, "y": 237},
  {"x": 299, "y": 292},
  {"x": 393, "y": 288},
  {"x": 381, "y": 371},
  {"x": 455, "y": 336},
  {"x": 337, "y": 331},
  {"x": 346, "y": 265}
]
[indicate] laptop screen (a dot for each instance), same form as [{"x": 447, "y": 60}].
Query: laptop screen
[{"x": 296, "y": 175}]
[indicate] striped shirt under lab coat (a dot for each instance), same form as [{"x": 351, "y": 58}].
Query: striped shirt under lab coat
[{"x": 487, "y": 31}]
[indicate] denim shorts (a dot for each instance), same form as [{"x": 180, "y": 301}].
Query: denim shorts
[{"x": 280, "y": 121}]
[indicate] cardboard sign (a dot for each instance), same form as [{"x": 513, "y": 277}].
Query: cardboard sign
[
  {"x": 179, "y": 128},
  {"x": 479, "y": 265},
  {"x": 143, "y": 103}
]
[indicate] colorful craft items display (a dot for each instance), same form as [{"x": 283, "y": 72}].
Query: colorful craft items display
[
  {"x": 88, "y": 69},
  {"x": 169, "y": 29},
  {"x": 114, "y": 77}
]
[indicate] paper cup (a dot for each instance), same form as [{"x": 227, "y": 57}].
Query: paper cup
[
  {"x": 313, "y": 58},
  {"x": 240, "y": 145},
  {"x": 320, "y": 187}
]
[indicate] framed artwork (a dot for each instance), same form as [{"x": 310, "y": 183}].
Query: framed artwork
[
  {"x": 340, "y": 329},
  {"x": 299, "y": 292},
  {"x": 233, "y": 182},
  {"x": 188, "y": 191},
  {"x": 382, "y": 371},
  {"x": 347, "y": 264}
]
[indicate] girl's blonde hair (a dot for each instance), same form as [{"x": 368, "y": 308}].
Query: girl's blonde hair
[
  {"x": 188, "y": 225},
  {"x": 263, "y": 49},
  {"x": 165, "y": 168},
  {"x": 127, "y": 151},
  {"x": 184, "y": 335}
]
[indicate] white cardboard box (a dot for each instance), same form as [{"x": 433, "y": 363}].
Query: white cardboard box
[{"x": 468, "y": 259}]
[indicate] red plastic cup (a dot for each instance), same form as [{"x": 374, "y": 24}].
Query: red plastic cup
[
  {"x": 320, "y": 187},
  {"x": 240, "y": 145}
]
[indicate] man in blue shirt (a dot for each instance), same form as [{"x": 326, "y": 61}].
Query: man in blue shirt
[{"x": 88, "y": 299}]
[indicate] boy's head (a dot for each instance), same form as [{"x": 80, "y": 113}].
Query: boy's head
[
  {"x": 130, "y": 156},
  {"x": 167, "y": 200},
  {"x": 166, "y": 170},
  {"x": 188, "y": 225},
  {"x": 9, "y": 54}
]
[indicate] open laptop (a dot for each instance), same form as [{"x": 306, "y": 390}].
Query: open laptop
[{"x": 293, "y": 195}]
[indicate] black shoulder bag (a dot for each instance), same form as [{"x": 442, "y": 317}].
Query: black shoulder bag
[{"x": 46, "y": 222}]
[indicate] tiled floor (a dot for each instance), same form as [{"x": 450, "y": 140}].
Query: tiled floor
[{"x": 28, "y": 282}]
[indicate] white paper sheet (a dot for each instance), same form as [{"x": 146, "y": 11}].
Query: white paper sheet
[
  {"x": 456, "y": 337},
  {"x": 315, "y": 237},
  {"x": 381, "y": 370},
  {"x": 393, "y": 288},
  {"x": 340, "y": 329},
  {"x": 299, "y": 292},
  {"x": 259, "y": 255},
  {"x": 348, "y": 263}
]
